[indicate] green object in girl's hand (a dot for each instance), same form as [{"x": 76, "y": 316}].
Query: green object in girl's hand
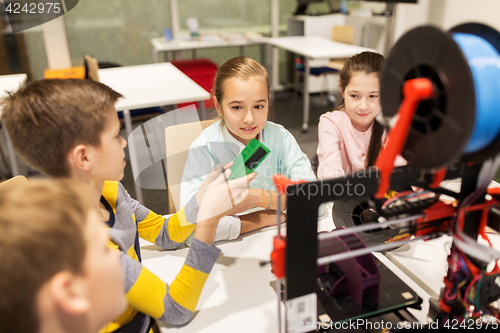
[{"x": 249, "y": 159}]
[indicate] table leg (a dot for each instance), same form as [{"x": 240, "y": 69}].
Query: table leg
[
  {"x": 270, "y": 61},
  {"x": 14, "y": 169},
  {"x": 305, "y": 94},
  {"x": 202, "y": 109},
  {"x": 131, "y": 150},
  {"x": 262, "y": 54}
]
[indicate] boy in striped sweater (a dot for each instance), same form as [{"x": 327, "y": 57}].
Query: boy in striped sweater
[{"x": 69, "y": 130}]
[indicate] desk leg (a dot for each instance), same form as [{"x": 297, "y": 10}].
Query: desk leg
[
  {"x": 132, "y": 154},
  {"x": 305, "y": 94},
  {"x": 128, "y": 122},
  {"x": 202, "y": 109},
  {"x": 262, "y": 54},
  {"x": 12, "y": 155},
  {"x": 270, "y": 73}
]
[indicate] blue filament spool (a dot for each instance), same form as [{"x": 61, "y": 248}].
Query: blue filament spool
[
  {"x": 462, "y": 120},
  {"x": 484, "y": 64},
  {"x": 441, "y": 126}
]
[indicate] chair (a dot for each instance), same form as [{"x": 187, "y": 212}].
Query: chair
[
  {"x": 374, "y": 36},
  {"x": 178, "y": 139},
  {"x": 341, "y": 34},
  {"x": 201, "y": 71},
  {"x": 76, "y": 72},
  {"x": 14, "y": 182},
  {"x": 91, "y": 67}
]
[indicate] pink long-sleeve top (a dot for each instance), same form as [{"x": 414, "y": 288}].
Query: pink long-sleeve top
[{"x": 342, "y": 149}]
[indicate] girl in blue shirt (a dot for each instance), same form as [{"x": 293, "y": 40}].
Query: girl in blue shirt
[{"x": 241, "y": 98}]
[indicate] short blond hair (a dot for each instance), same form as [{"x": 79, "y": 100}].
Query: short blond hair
[
  {"x": 42, "y": 232},
  {"x": 47, "y": 118}
]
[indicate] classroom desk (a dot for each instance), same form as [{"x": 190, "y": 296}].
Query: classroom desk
[
  {"x": 10, "y": 83},
  {"x": 150, "y": 85},
  {"x": 238, "y": 295},
  {"x": 312, "y": 47},
  {"x": 160, "y": 45}
]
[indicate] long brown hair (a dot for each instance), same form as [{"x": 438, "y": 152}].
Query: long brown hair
[{"x": 366, "y": 63}]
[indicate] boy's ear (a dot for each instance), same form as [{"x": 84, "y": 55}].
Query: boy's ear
[
  {"x": 79, "y": 157},
  {"x": 217, "y": 106},
  {"x": 69, "y": 293}
]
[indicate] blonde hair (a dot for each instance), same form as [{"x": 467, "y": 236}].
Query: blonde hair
[
  {"x": 42, "y": 225},
  {"x": 47, "y": 118},
  {"x": 241, "y": 68}
]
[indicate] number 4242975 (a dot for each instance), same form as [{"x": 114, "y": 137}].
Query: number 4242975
[{"x": 33, "y": 8}]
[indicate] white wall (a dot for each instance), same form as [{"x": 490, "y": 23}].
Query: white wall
[
  {"x": 409, "y": 16},
  {"x": 446, "y": 14},
  {"x": 461, "y": 11}
]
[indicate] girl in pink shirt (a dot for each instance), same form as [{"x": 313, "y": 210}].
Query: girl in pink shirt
[{"x": 349, "y": 137}]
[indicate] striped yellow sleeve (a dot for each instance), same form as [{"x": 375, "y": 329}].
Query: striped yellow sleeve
[
  {"x": 148, "y": 293},
  {"x": 186, "y": 289},
  {"x": 150, "y": 227},
  {"x": 178, "y": 227}
]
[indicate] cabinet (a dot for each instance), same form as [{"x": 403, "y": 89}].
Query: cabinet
[
  {"x": 303, "y": 25},
  {"x": 371, "y": 31}
]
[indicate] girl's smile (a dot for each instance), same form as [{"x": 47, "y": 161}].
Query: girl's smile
[
  {"x": 362, "y": 102},
  {"x": 244, "y": 107},
  {"x": 248, "y": 129}
]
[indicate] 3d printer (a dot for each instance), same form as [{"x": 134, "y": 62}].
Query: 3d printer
[{"x": 440, "y": 96}]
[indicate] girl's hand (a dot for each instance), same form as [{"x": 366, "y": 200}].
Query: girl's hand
[
  {"x": 253, "y": 199},
  {"x": 216, "y": 172},
  {"x": 221, "y": 195},
  {"x": 260, "y": 198},
  {"x": 260, "y": 219}
]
